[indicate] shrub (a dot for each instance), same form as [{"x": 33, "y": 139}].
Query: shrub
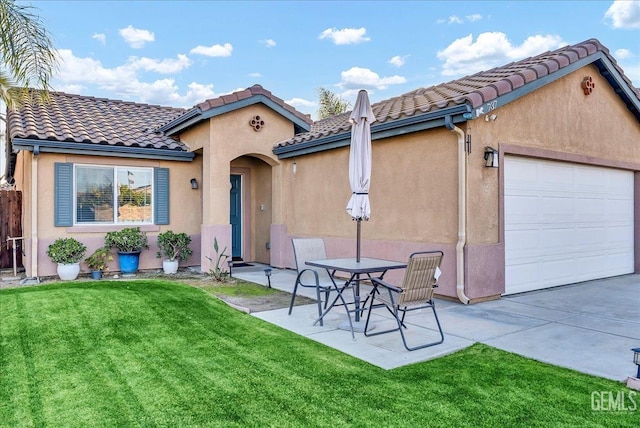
[
  {"x": 98, "y": 260},
  {"x": 127, "y": 240},
  {"x": 218, "y": 272},
  {"x": 174, "y": 245},
  {"x": 66, "y": 250}
]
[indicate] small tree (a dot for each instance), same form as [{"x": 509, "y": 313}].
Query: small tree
[
  {"x": 174, "y": 245},
  {"x": 330, "y": 104}
]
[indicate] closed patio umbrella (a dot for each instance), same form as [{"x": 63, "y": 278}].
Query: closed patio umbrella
[{"x": 360, "y": 162}]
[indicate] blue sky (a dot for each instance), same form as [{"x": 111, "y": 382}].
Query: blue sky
[{"x": 179, "y": 53}]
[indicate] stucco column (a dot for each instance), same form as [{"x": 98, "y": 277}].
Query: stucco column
[{"x": 215, "y": 207}]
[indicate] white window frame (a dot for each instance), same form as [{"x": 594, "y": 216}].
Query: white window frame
[{"x": 114, "y": 221}]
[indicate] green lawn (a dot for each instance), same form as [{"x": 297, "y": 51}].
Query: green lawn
[{"x": 158, "y": 353}]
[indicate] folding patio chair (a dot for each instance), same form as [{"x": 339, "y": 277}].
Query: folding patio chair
[
  {"x": 416, "y": 292},
  {"x": 312, "y": 277}
]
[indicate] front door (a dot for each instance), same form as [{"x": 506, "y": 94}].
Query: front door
[{"x": 236, "y": 216}]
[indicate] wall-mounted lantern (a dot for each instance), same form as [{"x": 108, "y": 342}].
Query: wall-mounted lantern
[
  {"x": 490, "y": 157},
  {"x": 194, "y": 183}
]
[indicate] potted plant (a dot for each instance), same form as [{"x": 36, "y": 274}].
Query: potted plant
[
  {"x": 97, "y": 262},
  {"x": 129, "y": 242},
  {"x": 67, "y": 252},
  {"x": 175, "y": 246}
]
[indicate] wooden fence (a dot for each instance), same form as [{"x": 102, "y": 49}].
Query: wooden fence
[{"x": 10, "y": 227}]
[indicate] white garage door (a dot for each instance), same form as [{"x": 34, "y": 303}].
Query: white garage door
[{"x": 565, "y": 223}]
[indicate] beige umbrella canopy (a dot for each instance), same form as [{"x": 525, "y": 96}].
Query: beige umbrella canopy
[{"x": 360, "y": 162}]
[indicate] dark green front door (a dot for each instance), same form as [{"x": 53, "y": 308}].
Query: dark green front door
[{"x": 236, "y": 216}]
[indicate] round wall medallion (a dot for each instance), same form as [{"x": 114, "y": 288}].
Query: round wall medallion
[
  {"x": 588, "y": 85},
  {"x": 256, "y": 123}
]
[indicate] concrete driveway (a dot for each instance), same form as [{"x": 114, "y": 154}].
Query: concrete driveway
[{"x": 589, "y": 327}]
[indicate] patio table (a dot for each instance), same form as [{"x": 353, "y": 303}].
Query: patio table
[{"x": 365, "y": 267}]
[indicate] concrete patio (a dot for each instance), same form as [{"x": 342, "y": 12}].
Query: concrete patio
[{"x": 589, "y": 327}]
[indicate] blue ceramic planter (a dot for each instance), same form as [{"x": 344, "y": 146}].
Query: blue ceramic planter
[{"x": 129, "y": 261}]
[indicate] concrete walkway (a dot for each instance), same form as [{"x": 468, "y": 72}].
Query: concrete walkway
[{"x": 589, "y": 327}]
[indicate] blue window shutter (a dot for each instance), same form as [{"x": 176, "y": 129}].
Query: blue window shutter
[
  {"x": 161, "y": 196},
  {"x": 63, "y": 194}
]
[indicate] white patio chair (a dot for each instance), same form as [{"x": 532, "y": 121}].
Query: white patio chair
[{"x": 312, "y": 277}]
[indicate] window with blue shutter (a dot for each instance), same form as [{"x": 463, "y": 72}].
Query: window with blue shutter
[
  {"x": 110, "y": 195},
  {"x": 63, "y": 194},
  {"x": 161, "y": 194}
]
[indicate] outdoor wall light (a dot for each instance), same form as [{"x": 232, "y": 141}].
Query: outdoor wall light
[
  {"x": 194, "y": 183},
  {"x": 294, "y": 168},
  {"x": 636, "y": 360},
  {"x": 267, "y": 273},
  {"x": 490, "y": 157}
]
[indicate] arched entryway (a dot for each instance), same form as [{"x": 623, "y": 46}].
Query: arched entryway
[{"x": 250, "y": 209}]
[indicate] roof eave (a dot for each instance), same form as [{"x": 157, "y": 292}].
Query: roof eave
[
  {"x": 599, "y": 59},
  {"x": 88, "y": 149},
  {"x": 458, "y": 114},
  {"x": 197, "y": 115}
]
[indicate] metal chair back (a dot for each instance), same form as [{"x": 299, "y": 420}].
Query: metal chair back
[
  {"x": 310, "y": 249},
  {"x": 419, "y": 279}
]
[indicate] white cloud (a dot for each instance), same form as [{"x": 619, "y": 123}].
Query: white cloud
[
  {"x": 77, "y": 75},
  {"x": 268, "y": 43},
  {"x": 455, "y": 19},
  {"x": 624, "y": 14},
  {"x": 398, "y": 60},
  {"x": 464, "y": 56},
  {"x": 198, "y": 93},
  {"x": 623, "y": 54},
  {"x": 102, "y": 38},
  {"x": 214, "y": 50},
  {"x": 359, "y": 78},
  {"x": 299, "y": 102},
  {"x": 346, "y": 36},
  {"x": 135, "y": 37},
  {"x": 255, "y": 75},
  {"x": 71, "y": 88},
  {"x": 165, "y": 66}
]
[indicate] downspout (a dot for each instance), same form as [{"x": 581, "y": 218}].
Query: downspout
[
  {"x": 462, "y": 209},
  {"x": 34, "y": 212}
]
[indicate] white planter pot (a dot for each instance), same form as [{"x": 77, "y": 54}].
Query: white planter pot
[
  {"x": 68, "y": 272},
  {"x": 170, "y": 266}
]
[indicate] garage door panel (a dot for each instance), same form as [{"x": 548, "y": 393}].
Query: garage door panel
[
  {"x": 565, "y": 223},
  {"x": 557, "y": 176},
  {"x": 590, "y": 209},
  {"x": 618, "y": 209},
  {"x": 560, "y": 207},
  {"x": 524, "y": 206}
]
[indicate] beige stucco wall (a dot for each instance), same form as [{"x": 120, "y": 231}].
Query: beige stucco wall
[
  {"x": 185, "y": 213},
  {"x": 228, "y": 140},
  {"x": 557, "y": 118},
  {"x": 413, "y": 184}
]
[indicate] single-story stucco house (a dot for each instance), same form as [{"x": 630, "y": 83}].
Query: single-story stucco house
[{"x": 559, "y": 204}]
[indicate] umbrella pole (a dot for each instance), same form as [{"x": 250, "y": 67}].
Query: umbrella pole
[{"x": 358, "y": 241}]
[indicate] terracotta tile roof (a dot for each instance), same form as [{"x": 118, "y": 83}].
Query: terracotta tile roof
[
  {"x": 474, "y": 90},
  {"x": 248, "y": 93},
  {"x": 100, "y": 121}
]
